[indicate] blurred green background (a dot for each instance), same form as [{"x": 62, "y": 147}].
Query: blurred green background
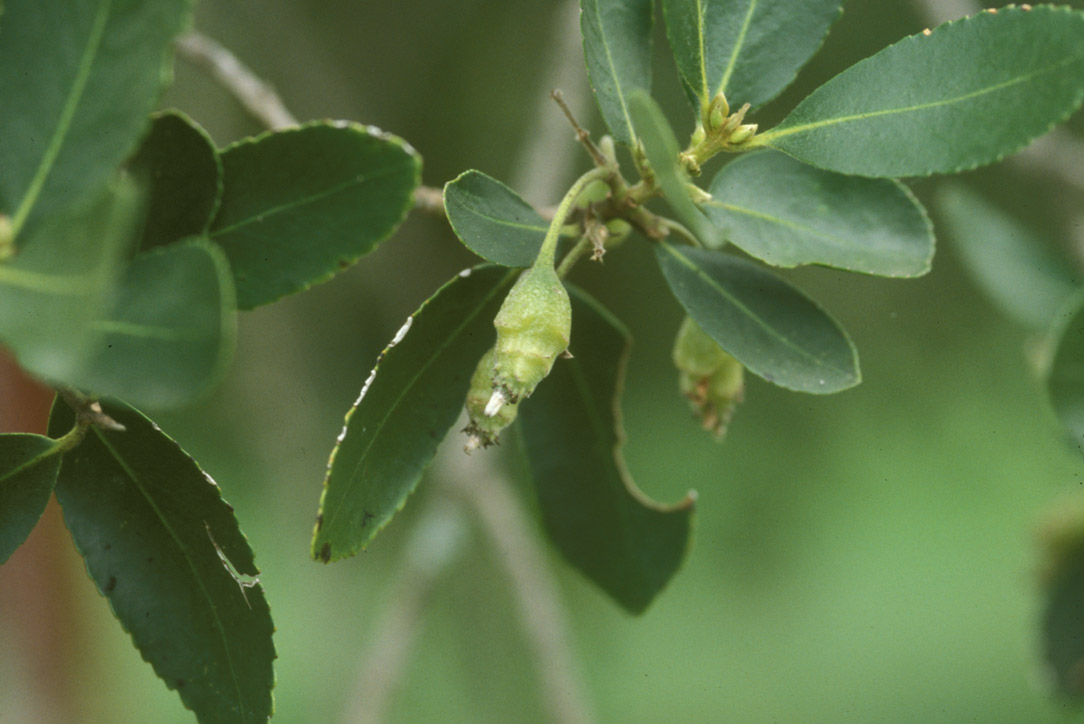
[{"x": 865, "y": 557}]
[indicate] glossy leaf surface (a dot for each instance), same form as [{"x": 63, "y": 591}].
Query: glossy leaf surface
[
  {"x": 787, "y": 214},
  {"x": 301, "y": 205},
  {"x": 170, "y": 332},
  {"x": 1065, "y": 379},
  {"x": 970, "y": 93},
  {"x": 591, "y": 509},
  {"x": 78, "y": 82},
  {"x": 661, "y": 148},
  {"x": 59, "y": 283},
  {"x": 492, "y": 220},
  {"x": 410, "y": 400},
  {"x": 28, "y": 469},
  {"x": 184, "y": 174},
  {"x": 768, "y": 325},
  {"x": 1011, "y": 264},
  {"x": 750, "y": 50},
  {"x": 154, "y": 530},
  {"x": 617, "y": 48}
]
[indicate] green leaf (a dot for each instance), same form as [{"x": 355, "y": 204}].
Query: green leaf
[
  {"x": 769, "y": 326},
  {"x": 1065, "y": 378},
  {"x": 787, "y": 214},
  {"x": 28, "y": 469},
  {"x": 79, "y": 80},
  {"x": 749, "y": 50},
  {"x": 1007, "y": 260},
  {"x": 492, "y": 220},
  {"x": 617, "y": 48},
  {"x": 970, "y": 93},
  {"x": 591, "y": 509},
  {"x": 170, "y": 333},
  {"x": 184, "y": 174},
  {"x": 408, "y": 403},
  {"x": 661, "y": 149},
  {"x": 301, "y": 205},
  {"x": 59, "y": 282},
  {"x": 160, "y": 542}
]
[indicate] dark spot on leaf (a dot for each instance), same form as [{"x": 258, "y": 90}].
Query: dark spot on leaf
[
  {"x": 366, "y": 516},
  {"x": 344, "y": 264},
  {"x": 150, "y": 559},
  {"x": 319, "y": 521},
  {"x": 111, "y": 584},
  {"x": 180, "y": 683},
  {"x": 325, "y": 553},
  {"x": 108, "y": 546}
]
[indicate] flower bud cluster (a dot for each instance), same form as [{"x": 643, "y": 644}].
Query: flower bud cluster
[{"x": 712, "y": 380}]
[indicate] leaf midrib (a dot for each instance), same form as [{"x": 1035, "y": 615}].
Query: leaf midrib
[
  {"x": 235, "y": 677},
  {"x": 67, "y": 115},
  {"x": 738, "y": 44},
  {"x": 262, "y": 216},
  {"x": 820, "y": 361},
  {"x": 473, "y": 210},
  {"x": 613, "y": 71},
  {"x": 780, "y": 132}
]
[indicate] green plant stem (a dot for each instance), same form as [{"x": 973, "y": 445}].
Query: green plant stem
[{"x": 549, "y": 244}]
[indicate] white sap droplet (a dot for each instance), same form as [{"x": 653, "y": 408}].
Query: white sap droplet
[
  {"x": 496, "y": 402},
  {"x": 465, "y": 273},
  {"x": 402, "y": 331}
]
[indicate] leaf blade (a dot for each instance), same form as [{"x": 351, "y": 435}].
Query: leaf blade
[
  {"x": 617, "y": 49},
  {"x": 789, "y": 214},
  {"x": 53, "y": 289},
  {"x": 184, "y": 172},
  {"x": 492, "y": 220},
  {"x": 170, "y": 332},
  {"x": 28, "y": 468},
  {"x": 769, "y": 326},
  {"x": 970, "y": 93},
  {"x": 387, "y": 440},
  {"x": 149, "y": 524},
  {"x": 592, "y": 511},
  {"x": 749, "y": 50},
  {"x": 341, "y": 187},
  {"x": 86, "y": 76}
]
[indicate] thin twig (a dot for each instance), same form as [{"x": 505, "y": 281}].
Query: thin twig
[
  {"x": 254, "y": 94},
  {"x": 581, "y": 135}
]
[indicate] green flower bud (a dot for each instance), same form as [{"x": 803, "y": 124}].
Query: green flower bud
[
  {"x": 619, "y": 230},
  {"x": 609, "y": 150},
  {"x": 717, "y": 118},
  {"x": 718, "y": 110},
  {"x": 742, "y": 134},
  {"x": 698, "y": 136},
  {"x": 533, "y": 326},
  {"x": 711, "y": 379},
  {"x": 484, "y": 429}
]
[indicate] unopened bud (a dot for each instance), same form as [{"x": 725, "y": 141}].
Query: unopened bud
[
  {"x": 698, "y": 136},
  {"x": 711, "y": 379},
  {"x": 718, "y": 108},
  {"x": 742, "y": 134},
  {"x": 609, "y": 150},
  {"x": 533, "y": 326},
  {"x": 717, "y": 118}
]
